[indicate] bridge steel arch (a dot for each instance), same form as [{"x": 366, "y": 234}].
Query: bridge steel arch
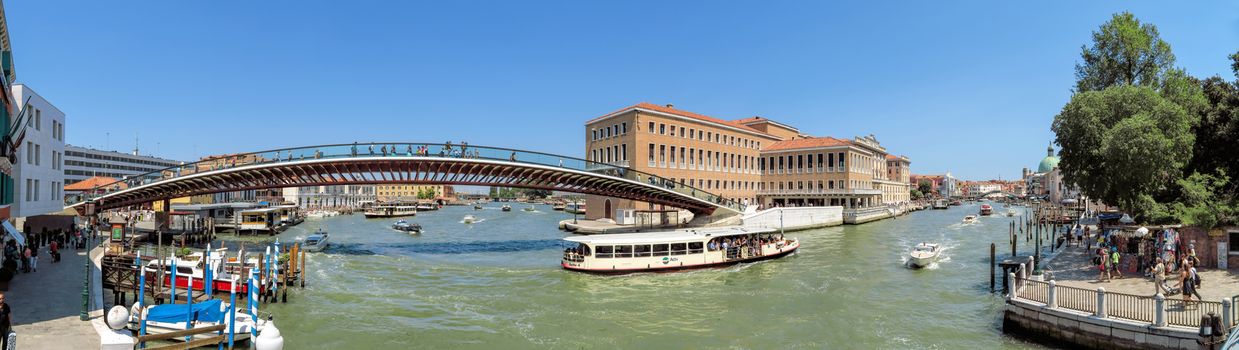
[{"x": 483, "y": 167}]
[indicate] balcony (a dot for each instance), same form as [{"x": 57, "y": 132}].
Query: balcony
[{"x": 817, "y": 192}]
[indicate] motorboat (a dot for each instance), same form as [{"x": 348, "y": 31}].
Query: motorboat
[
  {"x": 575, "y": 208},
  {"x": 391, "y": 210},
  {"x": 401, "y": 225},
  {"x": 674, "y": 250},
  {"x": 970, "y": 219},
  {"x": 558, "y": 207},
  {"x": 923, "y": 254},
  {"x": 941, "y": 204},
  {"x": 315, "y": 242},
  {"x": 192, "y": 267},
  {"x": 530, "y": 208},
  {"x": 167, "y": 318},
  {"x": 427, "y": 206},
  {"x": 986, "y": 210},
  {"x": 1010, "y": 212},
  {"x": 506, "y": 207},
  {"x": 469, "y": 219},
  {"x": 477, "y": 207}
]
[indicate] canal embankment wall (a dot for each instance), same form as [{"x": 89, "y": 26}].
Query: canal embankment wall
[{"x": 798, "y": 218}]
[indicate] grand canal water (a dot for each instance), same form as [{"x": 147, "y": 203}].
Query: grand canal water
[{"x": 497, "y": 283}]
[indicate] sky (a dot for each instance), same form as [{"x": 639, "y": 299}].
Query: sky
[{"x": 965, "y": 87}]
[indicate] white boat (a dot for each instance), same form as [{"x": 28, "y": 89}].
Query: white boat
[
  {"x": 506, "y": 208},
  {"x": 315, "y": 242},
  {"x": 391, "y": 211},
  {"x": 469, "y": 219},
  {"x": 192, "y": 265},
  {"x": 923, "y": 254},
  {"x": 174, "y": 317},
  {"x": 673, "y": 250},
  {"x": 427, "y": 207},
  {"x": 970, "y": 219},
  {"x": 1010, "y": 212},
  {"x": 530, "y": 208}
]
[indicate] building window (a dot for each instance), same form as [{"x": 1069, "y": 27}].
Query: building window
[
  {"x": 761, "y": 164},
  {"x": 651, "y": 127},
  {"x": 780, "y": 163},
  {"x": 682, "y": 132},
  {"x": 662, "y": 129},
  {"x": 29, "y": 188},
  {"x": 841, "y": 163},
  {"x": 594, "y": 136},
  {"x": 673, "y": 130},
  {"x": 624, "y": 128},
  {"x": 38, "y": 154},
  {"x": 673, "y": 153},
  {"x": 662, "y": 155},
  {"x": 682, "y": 159},
  {"x": 651, "y": 154},
  {"x": 692, "y": 133},
  {"x": 624, "y": 152}
]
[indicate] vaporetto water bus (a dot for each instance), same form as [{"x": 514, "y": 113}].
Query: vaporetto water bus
[{"x": 674, "y": 250}]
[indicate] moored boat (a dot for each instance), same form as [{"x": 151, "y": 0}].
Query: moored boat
[
  {"x": 923, "y": 254},
  {"x": 673, "y": 250},
  {"x": 558, "y": 207},
  {"x": 169, "y": 318}
]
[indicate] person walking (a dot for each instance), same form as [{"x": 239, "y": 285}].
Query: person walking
[
  {"x": 1159, "y": 278},
  {"x": 6, "y": 325},
  {"x": 1194, "y": 280},
  {"x": 26, "y": 260},
  {"x": 1103, "y": 266},
  {"x": 1114, "y": 262},
  {"x": 1186, "y": 284}
]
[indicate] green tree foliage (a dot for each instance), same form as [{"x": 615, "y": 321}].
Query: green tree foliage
[
  {"x": 1124, "y": 52},
  {"x": 1203, "y": 202},
  {"x": 916, "y": 194},
  {"x": 1218, "y": 129},
  {"x": 1123, "y": 142},
  {"x": 924, "y": 186}
]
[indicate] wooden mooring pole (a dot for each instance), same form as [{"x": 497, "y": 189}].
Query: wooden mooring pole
[{"x": 992, "y": 263}]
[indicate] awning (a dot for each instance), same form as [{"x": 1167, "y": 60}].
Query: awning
[{"x": 12, "y": 231}]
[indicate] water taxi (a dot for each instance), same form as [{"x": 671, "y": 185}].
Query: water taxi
[
  {"x": 558, "y": 207},
  {"x": 986, "y": 209},
  {"x": 469, "y": 219},
  {"x": 315, "y": 242},
  {"x": 924, "y": 254},
  {"x": 674, "y": 250},
  {"x": 940, "y": 204},
  {"x": 506, "y": 208},
  {"x": 477, "y": 207},
  {"x": 406, "y": 226},
  {"x": 575, "y": 208},
  {"x": 530, "y": 208},
  {"x": 970, "y": 219},
  {"x": 391, "y": 211}
]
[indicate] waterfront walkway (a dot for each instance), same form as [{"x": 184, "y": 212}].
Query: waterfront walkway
[
  {"x": 1073, "y": 267},
  {"x": 46, "y": 305}
]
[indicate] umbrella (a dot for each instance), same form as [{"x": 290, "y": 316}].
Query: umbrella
[{"x": 1142, "y": 231}]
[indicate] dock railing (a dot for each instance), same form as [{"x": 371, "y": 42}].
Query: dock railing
[{"x": 1157, "y": 310}]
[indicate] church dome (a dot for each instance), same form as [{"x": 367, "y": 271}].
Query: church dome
[{"x": 1049, "y": 162}]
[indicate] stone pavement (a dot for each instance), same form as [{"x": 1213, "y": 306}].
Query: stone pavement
[
  {"x": 46, "y": 304},
  {"x": 1073, "y": 267}
]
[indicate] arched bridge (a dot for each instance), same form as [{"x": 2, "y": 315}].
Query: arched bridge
[{"x": 401, "y": 163}]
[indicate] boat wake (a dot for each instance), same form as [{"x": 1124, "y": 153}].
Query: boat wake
[{"x": 475, "y": 221}]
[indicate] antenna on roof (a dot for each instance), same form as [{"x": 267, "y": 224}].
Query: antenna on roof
[{"x": 135, "y": 143}]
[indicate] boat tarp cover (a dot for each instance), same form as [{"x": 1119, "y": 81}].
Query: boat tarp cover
[{"x": 204, "y": 311}]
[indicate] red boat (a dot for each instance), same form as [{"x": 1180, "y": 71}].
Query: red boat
[{"x": 986, "y": 209}]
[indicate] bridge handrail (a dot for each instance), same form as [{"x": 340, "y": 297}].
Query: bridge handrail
[{"x": 397, "y": 149}]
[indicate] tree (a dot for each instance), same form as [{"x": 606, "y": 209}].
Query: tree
[
  {"x": 1123, "y": 144},
  {"x": 1203, "y": 202},
  {"x": 1126, "y": 52},
  {"x": 924, "y": 186},
  {"x": 916, "y": 194}
]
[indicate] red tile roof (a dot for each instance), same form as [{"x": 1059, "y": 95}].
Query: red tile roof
[
  {"x": 91, "y": 183},
  {"x": 812, "y": 142},
  {"x": 682, "y": 113}
]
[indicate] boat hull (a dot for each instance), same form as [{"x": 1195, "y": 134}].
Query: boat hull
[
  {"x": 921, "y": 262},
  {"x": 781, "y": 254},
  {"x": 217, "y": 286}
]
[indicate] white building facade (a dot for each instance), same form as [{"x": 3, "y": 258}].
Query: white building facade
[
  {"x": 38, "y": 173},
  {"x": 81, "y": 163},
  {"x": 949, "y": 187},
  {"x": 330, "y": 196}
]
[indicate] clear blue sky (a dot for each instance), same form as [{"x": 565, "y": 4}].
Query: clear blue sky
[{"x": 969, "y": 87}]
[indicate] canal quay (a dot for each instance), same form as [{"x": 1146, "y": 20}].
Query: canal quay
[{"x": 498, "y": 282}]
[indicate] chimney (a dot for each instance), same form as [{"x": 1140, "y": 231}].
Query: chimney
[{"x": 670, "y": 105}]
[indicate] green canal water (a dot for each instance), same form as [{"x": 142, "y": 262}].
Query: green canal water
[{"x": 497, "y": 284}]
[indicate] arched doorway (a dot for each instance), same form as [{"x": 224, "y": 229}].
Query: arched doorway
[{"x": 606, "y": 209}]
